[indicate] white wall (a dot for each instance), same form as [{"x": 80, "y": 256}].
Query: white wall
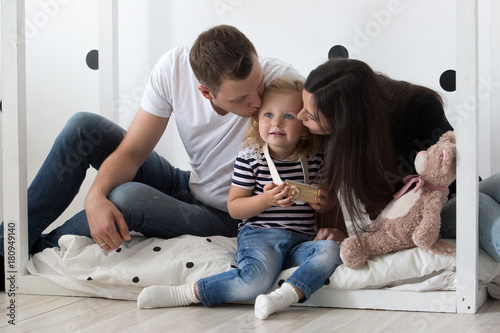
[
  {"x": 59, "y": 34},
  {"x": 410, "y": 40}
]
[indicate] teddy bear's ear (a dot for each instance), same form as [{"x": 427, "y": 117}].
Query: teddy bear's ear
[
  {"x": 448, "y": 136},
  {"x": 448, "y": 154}
]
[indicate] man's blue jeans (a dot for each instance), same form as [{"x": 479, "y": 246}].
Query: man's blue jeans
[
  {"x": 157, "y": 203},
  {"x": 261, "y": 255},
  {"x": 489, "y": 216}
]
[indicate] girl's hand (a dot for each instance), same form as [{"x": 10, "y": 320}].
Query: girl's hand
[
  {"x": 331, "y": 234},
  {"x": 277, "y": 195}
]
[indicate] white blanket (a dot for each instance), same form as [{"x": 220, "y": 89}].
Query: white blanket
[{"x": 82, "y": 266}]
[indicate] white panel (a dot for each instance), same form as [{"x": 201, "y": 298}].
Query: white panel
[
  {"x": 108, "y": 59},
  {"x": 467, "y": 174},
  {"x": 443, "y": 301},
  {"x": 14, "y": 137},
  {"x": 495, "y": 85}
]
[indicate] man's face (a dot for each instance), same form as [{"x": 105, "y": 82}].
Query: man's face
[{"x": 241, "y": 97}]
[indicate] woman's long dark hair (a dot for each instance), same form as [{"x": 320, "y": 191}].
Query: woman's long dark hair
[{"x": 358, "y": 105}]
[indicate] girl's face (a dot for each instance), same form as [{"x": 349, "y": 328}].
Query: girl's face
[
  {"x": 311, "y": 117},
  {"x": 278, "y": 123}
]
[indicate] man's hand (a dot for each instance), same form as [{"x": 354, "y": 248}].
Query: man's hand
[
  {"x": 106, "y": 223},
  {"x": 105, "y": 220}
]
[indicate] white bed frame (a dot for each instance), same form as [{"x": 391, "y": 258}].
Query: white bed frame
[{"x": 467, "y": 298}]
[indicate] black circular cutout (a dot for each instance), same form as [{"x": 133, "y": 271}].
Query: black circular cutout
[
  {"x": 93, "y": 59},
  {"x": 338, "y": 51},
  {"x": 448, "y": 80}
]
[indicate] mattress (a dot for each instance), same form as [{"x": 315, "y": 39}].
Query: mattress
[{"x": 81, "y": 265}]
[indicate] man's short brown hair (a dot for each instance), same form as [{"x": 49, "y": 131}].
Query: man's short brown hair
[{"x": 221, "y": 52}]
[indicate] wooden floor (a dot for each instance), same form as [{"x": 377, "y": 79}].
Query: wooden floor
[{"x": 75, "y": 314}]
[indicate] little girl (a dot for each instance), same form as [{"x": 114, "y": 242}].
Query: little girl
[{"x": 275, "y": 233}]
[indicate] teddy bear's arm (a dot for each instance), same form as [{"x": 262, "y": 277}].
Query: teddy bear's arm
[{"x": 427, "y": 232}]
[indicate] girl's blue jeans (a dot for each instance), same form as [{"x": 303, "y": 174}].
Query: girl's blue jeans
[
  {"x": 261, "y": 255},
  {"x": 157, "y": 203},
  {"x": 489, "y": 216}
]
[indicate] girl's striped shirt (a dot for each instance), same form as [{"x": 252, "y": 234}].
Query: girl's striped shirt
[{"x": 251, "y": 172}]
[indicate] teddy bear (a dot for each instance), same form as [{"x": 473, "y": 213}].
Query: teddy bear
[{"x": 412, "y": 218}]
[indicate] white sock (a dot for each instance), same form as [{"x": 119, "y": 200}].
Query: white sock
[
  {"x": 166, "y": 296},
  {"x": 276, "y": 301}
]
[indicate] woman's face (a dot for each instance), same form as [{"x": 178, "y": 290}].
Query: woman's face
[{"x": 311, "y": 117}]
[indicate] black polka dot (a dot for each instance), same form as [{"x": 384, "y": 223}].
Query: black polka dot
[
  {"x": 157, "y": 249},
  {"x": 189, "y": 265},
  {"x": 338, "y": 51},
  {"x": 280, "y": 282},
  {"x": 135, "y": 279},
  {"x": 89, "y": 279},
  {"x": 327, "y": 282},
  {"x": 209, "y": 240},
  {"x": 93, "y": 59},
  {"x": 119, "y": 249},
  {"x": 234, "y": 266},
  {"x": 448, "y": 80}
]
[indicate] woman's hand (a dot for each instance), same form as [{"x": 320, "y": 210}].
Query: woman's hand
[
  {"x": 331, "y": 234},
  {"x": 323, "y": 202}
]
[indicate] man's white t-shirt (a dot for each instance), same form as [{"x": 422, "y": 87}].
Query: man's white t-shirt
[{"x": 212, "y": 141}]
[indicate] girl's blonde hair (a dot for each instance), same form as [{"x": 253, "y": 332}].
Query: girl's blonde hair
[{"x": 309, "y": 144}]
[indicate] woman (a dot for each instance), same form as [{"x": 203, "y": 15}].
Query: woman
[{"x": 375, "y": 127}]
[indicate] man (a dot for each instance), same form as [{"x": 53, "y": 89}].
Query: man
[{"x": 212, "y": 89}]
